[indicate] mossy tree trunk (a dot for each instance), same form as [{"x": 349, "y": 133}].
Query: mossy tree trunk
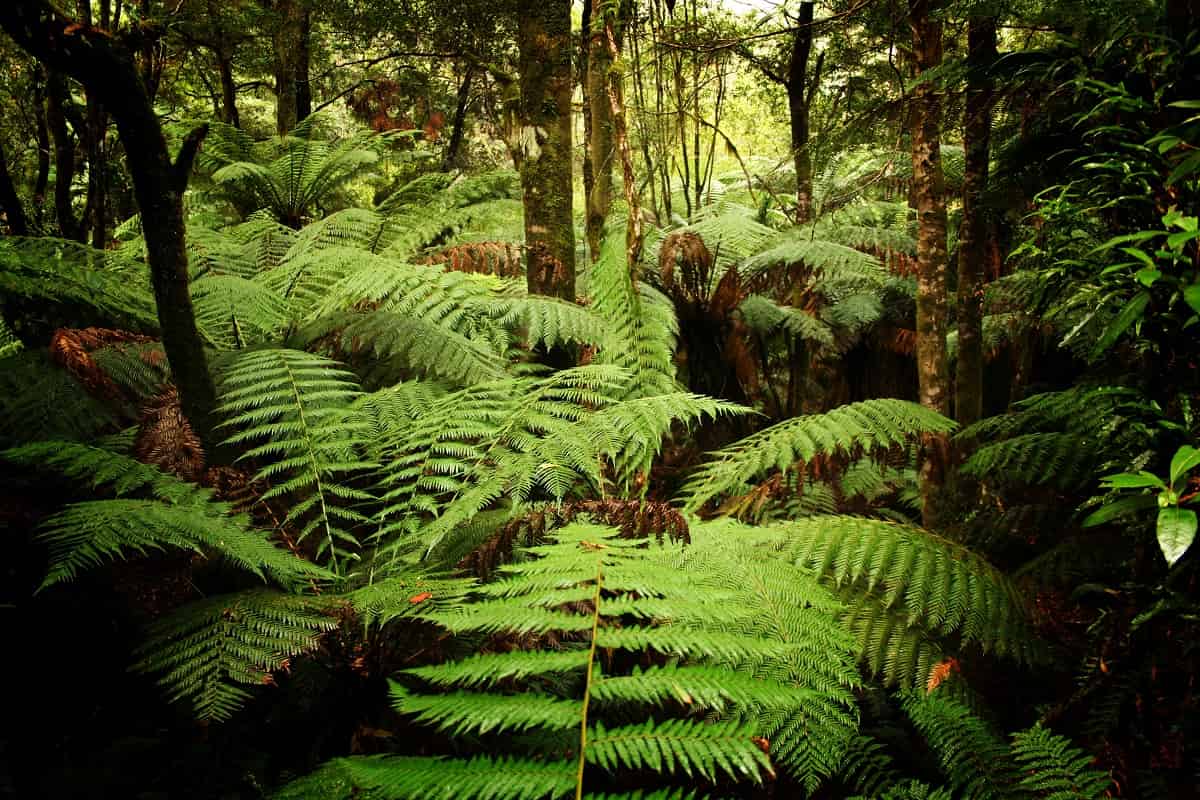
[
  {"x": 601, "y": 150},
  {"x": 973, "y": 245},
  {"x": 544, "y": 142},
  {"x": 928, "y": 191},
  {"x": 287, "y": 45},
  {"x": 108, "y": 70}
]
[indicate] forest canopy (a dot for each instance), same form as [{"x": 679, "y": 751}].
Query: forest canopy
[{"x": 607, "y": 399}]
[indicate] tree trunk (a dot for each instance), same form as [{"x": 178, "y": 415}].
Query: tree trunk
[
  {"x": 587, "y": 169},
  {"x": 57, "y": 99},
  {"x": 108, "y": 69},
  {"x": 10, "y": 203},
  {"x": 42, "y": 133},
  {"x": 303, "y": 57},
  {"x": 544, "y": 142},
  {"x": 615, "y": 95},
  {"x": 229, "y": 112},
  {"x": 973, "y": 245},
  {"x": 285, "y": 41},
  {"x": 933, "y": 377},
  {"x": 798, "y": 108},
  {"x": 451, "y": 159},
  {"x": 601, "y": 149}
]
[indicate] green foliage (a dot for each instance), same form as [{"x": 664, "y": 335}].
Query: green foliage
[
  {"x": 210, "y": 651},
  {"x": 973, "y": 757},
  {"x": 1054, "y": 770},
  {"x": 910, "y": 592},
  {"x": 289, "y": 177},
  {"x": 589, "y": 591},
  {"x": 154, "y": 510},
  {"x": 871, "y": 425},
  {"x": 296, "y": 408},
  {"x": 58, "y": 271}
]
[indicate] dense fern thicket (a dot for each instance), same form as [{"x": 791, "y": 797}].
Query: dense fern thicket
[{"x": 858, "y": 458}]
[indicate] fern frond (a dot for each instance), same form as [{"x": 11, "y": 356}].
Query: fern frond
[
  {"x": 210, "y": 652},
  {"x": 909, "y": 586},
  {"x": 973, "y": 757},
  {"x": 869, "y": 425},
  {"x": 1055, "y": 770},
  {"x": 296, "y": 408}
]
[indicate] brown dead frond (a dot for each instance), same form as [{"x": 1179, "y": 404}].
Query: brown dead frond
[
  {"x": 165, "y": 438},
  {"x": 502, "y": 259},
  {"x": 72, "y": 349}
]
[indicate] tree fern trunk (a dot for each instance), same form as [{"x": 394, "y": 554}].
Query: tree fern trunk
[
  {"x": 973, "y": 245},
  {"x": 107, "y": 69},
  {"x": 544, "y": 141},
  {"x": 929, "y": 194},
  {"x": 452, "y": 157}
]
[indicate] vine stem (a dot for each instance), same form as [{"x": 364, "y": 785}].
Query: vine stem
[{"x": 587, "y": 687}]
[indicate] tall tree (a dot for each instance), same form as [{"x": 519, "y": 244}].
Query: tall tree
[
  {"x": 107, "y": 68},
  {"x": 973, "y": 245},
  {"x": 543, "y": 142},
  {"x": 800, "y": 96},
  {"x": 601, "y": 141},
  {"x": 290, "y": 26},
  {"x": 933, "y": 377}
]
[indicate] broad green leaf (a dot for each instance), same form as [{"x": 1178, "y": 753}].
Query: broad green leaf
[
  {"x": 1148, "y": 276},
  {"x": 1176, "y": 530},
  {"x": 1185, "y": 460},
  {"x": 1186, "y": 167},
  {"x": 1117, "y": 508},
  {"x": 1191, "y": 296},
  {"x": 1132, "y": 480}
]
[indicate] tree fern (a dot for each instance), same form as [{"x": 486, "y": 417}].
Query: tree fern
[
  {"x": 871, "y": 425},
  {"x": 233, "y": 312},
  {"x": 295, "y": 407}
]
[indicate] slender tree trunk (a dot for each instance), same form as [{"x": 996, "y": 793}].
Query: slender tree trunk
[
  {"x": 453, "y": 149},
  {"x": 42, "y": 133},
  {"x": 601, "y": 147},
  {"x": 10, "y": 202},
  {"x": 933, "y": 377},
  {"x": 973, "y": 245},
  {"x": 588, "y": 168},
  {"x": 64, "y": 155},
  {"x": 615, "y": 94},
  {"x": 106, "y": 68},
  {"x": 229, "y": 111},
  {"x": 798, "y": 111},
  {"x": 304, "y": 101},
  {"x": 285, "y": 41},
  {"x": 544, "y": 139}
]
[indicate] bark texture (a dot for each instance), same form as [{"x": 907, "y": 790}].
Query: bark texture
[
  {"x": 601, "y": 149},
  {"x": 108, "y": 70},
  {"x": 544, "y": 143},
  {"x": 286, "y": 45},
  {"x": 973, "y": 245},
  {"x": 928, "y": 192},
  {"x": 798, "y": 108},
  {"x": 10, "y": 203},
  {"x": 58, "y": 100},
  {"x": 453, "y": 155}
]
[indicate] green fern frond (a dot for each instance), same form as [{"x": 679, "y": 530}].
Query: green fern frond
[
  {"x": 480, "y": 778},
  {"x": 40, "y": 400},
  {"x": 114, "y": 286},
  {"x": 870, "y": 425},
  {"x": 973, "y": 757},
  {"x": 765, "y": 317},
  {"x": 907, "y": 587},
  {"x": 233, "y": 312},
  {"x": 296, "y": 408},
  {"x": 179, "y": 514},
  {"x": 641, "y": 319},
  {"x": 212, "y": 651},
  {"x": 1052, "y": 769}
]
